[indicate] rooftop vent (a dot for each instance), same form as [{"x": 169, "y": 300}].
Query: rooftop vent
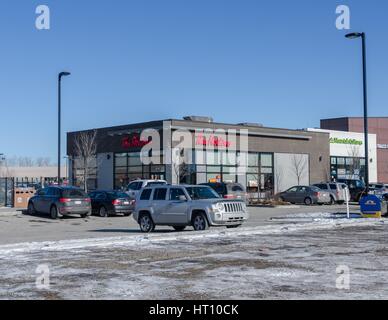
[
  {"x": 251, "y": 124},
  {"x": 199, "y": 119}
]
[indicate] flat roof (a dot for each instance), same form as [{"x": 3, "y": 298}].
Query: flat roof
[
  {"x": 360, "y": 117},
  {"x": 186, "y": 123}
]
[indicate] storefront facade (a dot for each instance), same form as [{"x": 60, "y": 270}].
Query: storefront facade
[
  {"x": 264, "y": 160},
  {"x": 347, "y": 155},
  {"x": 377, "y": 126}
]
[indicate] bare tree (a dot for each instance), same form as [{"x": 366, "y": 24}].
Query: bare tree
[
  {"x": 278, "y": 179},
  {"x": 355, "y": 164},
  {"x": 181, "y": 164},
  {"x": 299, "y": 166},
  {"x": 42, "y": 161},
  {"x": 5, "y": 171},
  {"x": 24, "y": 161},
  {"x": 327, "y": 173},
  {"x": 85, "y": 147}
]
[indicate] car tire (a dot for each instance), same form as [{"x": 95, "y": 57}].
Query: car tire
[
  {"x": 179, "y": 228},
  {"x": 54, "y": 212},
  {"x": 199, "y": 222},
  {"x": 31, "y": 209},
  {"x": 103, "y": 213},
  {"x": 308, "y": 201},
  {"x": 146, "y": 223}
]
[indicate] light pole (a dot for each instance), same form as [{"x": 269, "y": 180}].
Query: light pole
[
  {"x": 361, "y": 35},
  {"x": 62, "y": 74},
  {"x": 66, "y": 158}
]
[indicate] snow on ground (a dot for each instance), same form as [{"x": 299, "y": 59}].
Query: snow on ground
[
  {"x": 298, "y": 222},
  {"x": 292, "y": 260}
]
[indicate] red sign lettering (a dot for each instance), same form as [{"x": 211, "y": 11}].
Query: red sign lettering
[
  {"x": 213, "y": 141},
  {"x": 133, "y": 142}
]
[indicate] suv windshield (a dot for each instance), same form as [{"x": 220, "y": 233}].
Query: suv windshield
[{"x": 199, "y": 193}]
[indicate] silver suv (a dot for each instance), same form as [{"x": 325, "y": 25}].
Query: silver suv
[
  {"x": 180, "y": 206},
  {"x": 337, "y": 191}
]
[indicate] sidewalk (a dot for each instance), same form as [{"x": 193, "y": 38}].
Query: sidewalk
[{"x": 8, "y": 211}]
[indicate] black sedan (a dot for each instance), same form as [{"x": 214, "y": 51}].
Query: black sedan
[{"x": 105, "y": 203}]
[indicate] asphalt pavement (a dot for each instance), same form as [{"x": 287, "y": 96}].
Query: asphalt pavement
[{"x": 17, "y": 227}]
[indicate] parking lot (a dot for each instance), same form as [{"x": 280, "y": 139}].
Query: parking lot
[
  {"x": 16, "y": 226},
  {"x": 281, "y": 253}
]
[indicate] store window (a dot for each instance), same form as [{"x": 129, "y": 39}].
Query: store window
[
  {"x": 223, "y": 166},
  {"x": 347, "y": 168},
  {"x": 129, "y": 167},
  {"x": 82, "y": 170},
  {"x": 260, "y": 174}
]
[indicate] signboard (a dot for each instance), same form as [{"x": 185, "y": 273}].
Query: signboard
[
  {"x": 133, "y": 141},
  {"x": 354, "y": 142},
  {"x": 212, "y": 140},
  {"x": 371, "y": 206}
]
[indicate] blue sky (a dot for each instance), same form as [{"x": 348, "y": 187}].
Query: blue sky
[{"x": 280, "y": 63}]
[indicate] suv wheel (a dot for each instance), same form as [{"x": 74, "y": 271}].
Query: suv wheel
[
  {"x": 200, "y": 222},
  {"x": 179, "y": 228},
  {"x": 308, "y": 202},
  {"x": 103, "y": 212},
  {"x": 146, "y": 223},
  {"x": 31, "y": 209},
  {"x": 54, "y": 213}
]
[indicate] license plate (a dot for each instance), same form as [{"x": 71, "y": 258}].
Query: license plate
[
  {"x": 126, "y": 202},
  {"x": 78, "y": 202}
]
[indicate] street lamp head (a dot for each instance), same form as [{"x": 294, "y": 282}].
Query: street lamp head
[
  {"x": 354, "y": 35},
  {"x": 64, "y": 74}
]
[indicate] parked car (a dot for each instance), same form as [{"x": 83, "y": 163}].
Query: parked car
[
  {"x": 229, "y": 190},
  {"x": 105, "y": 203},
  {"x": 356, "y": 188},
  {"x": 337, "y": 191},
  {"x": 60, "y": 201},
  {"x": 134, "y": 187},
  {"x": 305, "y": 194},
  {"x": 378, "y": 188},
  {"x": 180, "y": 206}
]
